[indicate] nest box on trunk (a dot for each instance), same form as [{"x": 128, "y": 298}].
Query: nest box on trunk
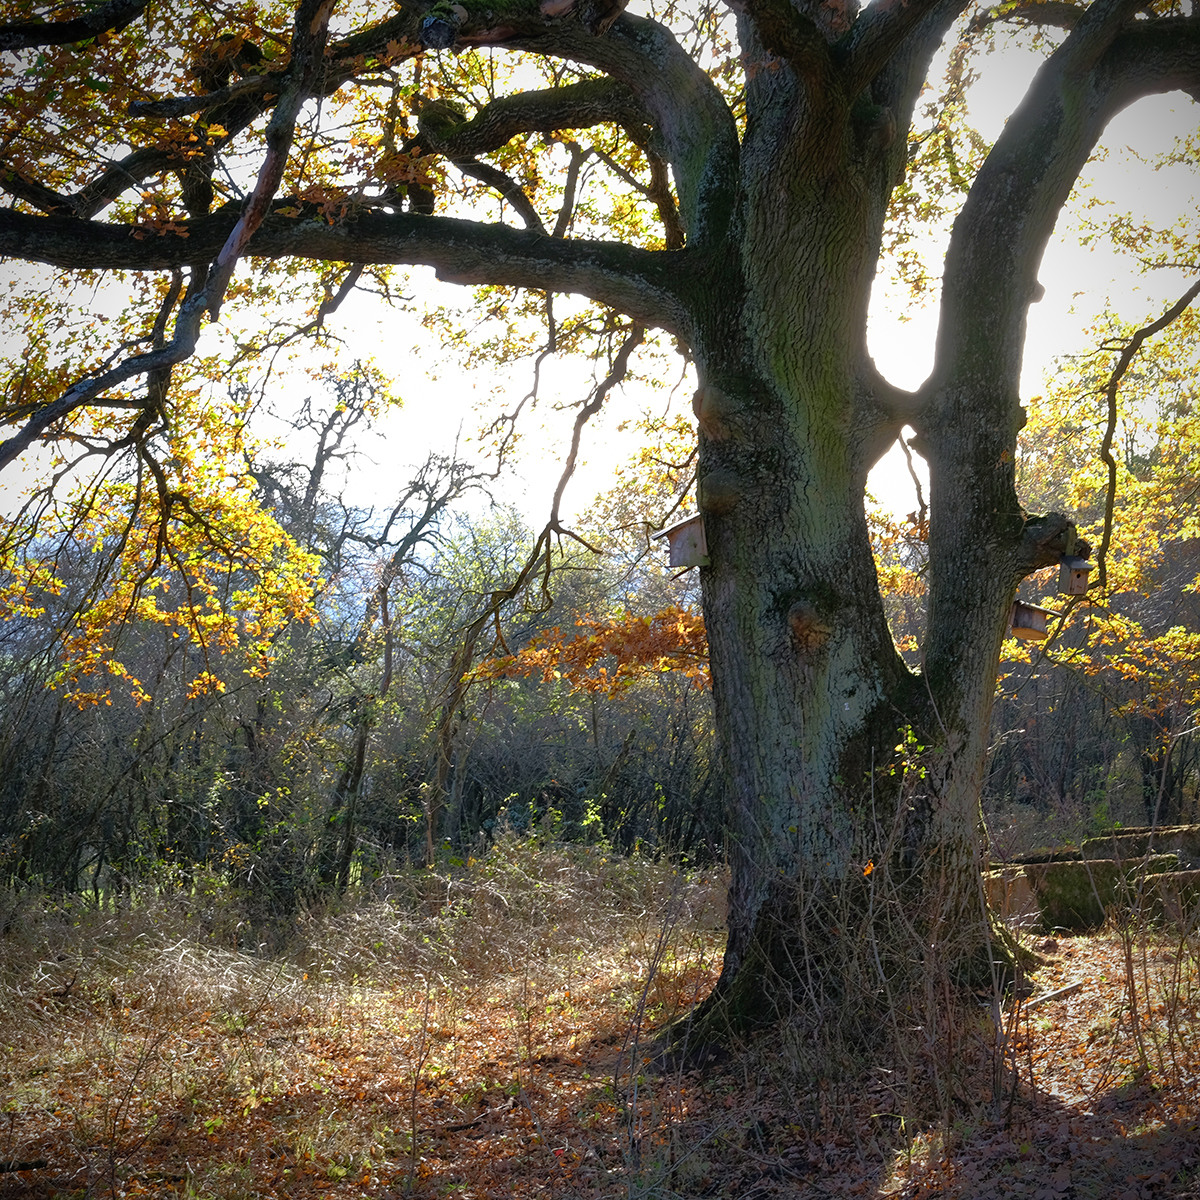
[
  {"x": 686, "y": 544},
  {"x": 1031, "y": 623},
  {"x": 1073, "y": 575}
]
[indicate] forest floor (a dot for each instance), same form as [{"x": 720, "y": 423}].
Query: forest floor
[{"x": 491, "y": 1034}]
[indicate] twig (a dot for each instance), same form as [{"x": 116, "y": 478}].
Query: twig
[
  {"x": 1059, "y": 994},
  {"x": 1110, "y": 391}
]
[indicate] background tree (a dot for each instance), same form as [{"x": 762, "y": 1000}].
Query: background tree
[
  {"x": 760, "y": 153},
  {"x": 1109, "y": 706}
]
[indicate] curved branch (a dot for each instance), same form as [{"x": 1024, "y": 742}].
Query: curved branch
[
  {"x": 658, "y": 192},
  {"x": 695, "y": 128},
  {"x": 129, "y": 172},
  {"x": 1128, "y": 354},
  {"x": 181, "y": 347},
  {"x": 508, "y": 187},
  {"x": 1060, "y": 14},
  {"x": 116, "y": 178},
  {"x": 576, "y": 106},
  {"x": 108, "y": 18},
  {"x": 998, "y": 240},
  {"x": 551, "y": 110}
]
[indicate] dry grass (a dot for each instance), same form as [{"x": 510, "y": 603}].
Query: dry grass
[
  {"x": 489, "y": 1032},
  {"x": 160, "y": 1050}
]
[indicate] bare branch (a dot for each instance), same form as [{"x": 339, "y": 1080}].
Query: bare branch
[
  {"x": 506, "y": 186},
  {"x": 570, "y": 186},
  {"x": 1128, "y": 354},
  {"x": 620, "y": 368}
]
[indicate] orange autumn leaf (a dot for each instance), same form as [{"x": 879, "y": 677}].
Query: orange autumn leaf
[{"x": 611, "y": 655}]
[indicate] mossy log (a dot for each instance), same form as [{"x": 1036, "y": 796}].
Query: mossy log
[
  {"x": 1126, "y": 844},
  {"x": 1078, "y": 895}
]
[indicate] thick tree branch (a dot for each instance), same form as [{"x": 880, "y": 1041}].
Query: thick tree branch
[
  {"x": 116, "y": 178},
  {"x": 1044, "y": 540},
  {"x": 111, "y": 17},
  {"x": 129, "y": 172},
  {"x": 882, "y": 412},
  {"x": 308, "y": 53},
  {"x": 32, "y": 192},
  {"x": 645, "y": 284},
  {"x": 792, "y": 36},
  {"x": 694, "y": 127},
  {"x": 308, "y": 45},
  {"x": 182, "y": 106},
  {"x": 1000, "y": 235},
  {"x": 880, "y": 32},
  {"x": 181, "y": 347},
  {"x": 978, "y": 529},
  {"x": 1058, "y": 14},
  {"x": 576, "y": 106},
  {"x": 395, "y": 37}
]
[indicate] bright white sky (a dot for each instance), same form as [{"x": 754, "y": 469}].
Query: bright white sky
[
  {"x": 1076, "y": 278},
  {"x": 437, "y": 411}
]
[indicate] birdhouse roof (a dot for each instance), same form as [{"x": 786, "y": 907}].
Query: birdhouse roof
[
  {"x": 670, "y": 529},
  {"x": 1037, "y": 608}
]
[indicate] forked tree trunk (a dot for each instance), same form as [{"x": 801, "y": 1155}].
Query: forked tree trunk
[{"x": 853, "y": 784}]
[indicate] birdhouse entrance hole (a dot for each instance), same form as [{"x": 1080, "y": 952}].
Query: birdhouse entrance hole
[{"x": 1073, "y": 575}]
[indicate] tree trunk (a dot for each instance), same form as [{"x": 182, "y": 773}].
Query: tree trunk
[{"x": 853, "y": 784}]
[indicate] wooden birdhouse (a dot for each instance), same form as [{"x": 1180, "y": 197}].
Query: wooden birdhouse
[
  {"x": 1073, "y": 575},
  {"x": 1031, "y": 623},
  {"x": 686, "y": 544}
]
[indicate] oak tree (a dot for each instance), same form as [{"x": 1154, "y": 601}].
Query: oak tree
[{"x": 759, "y": 149}]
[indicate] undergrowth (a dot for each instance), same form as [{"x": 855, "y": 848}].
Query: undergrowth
[
  {"x": 355, "y": 1025},
  {"x": 491, "y": 1029}
]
